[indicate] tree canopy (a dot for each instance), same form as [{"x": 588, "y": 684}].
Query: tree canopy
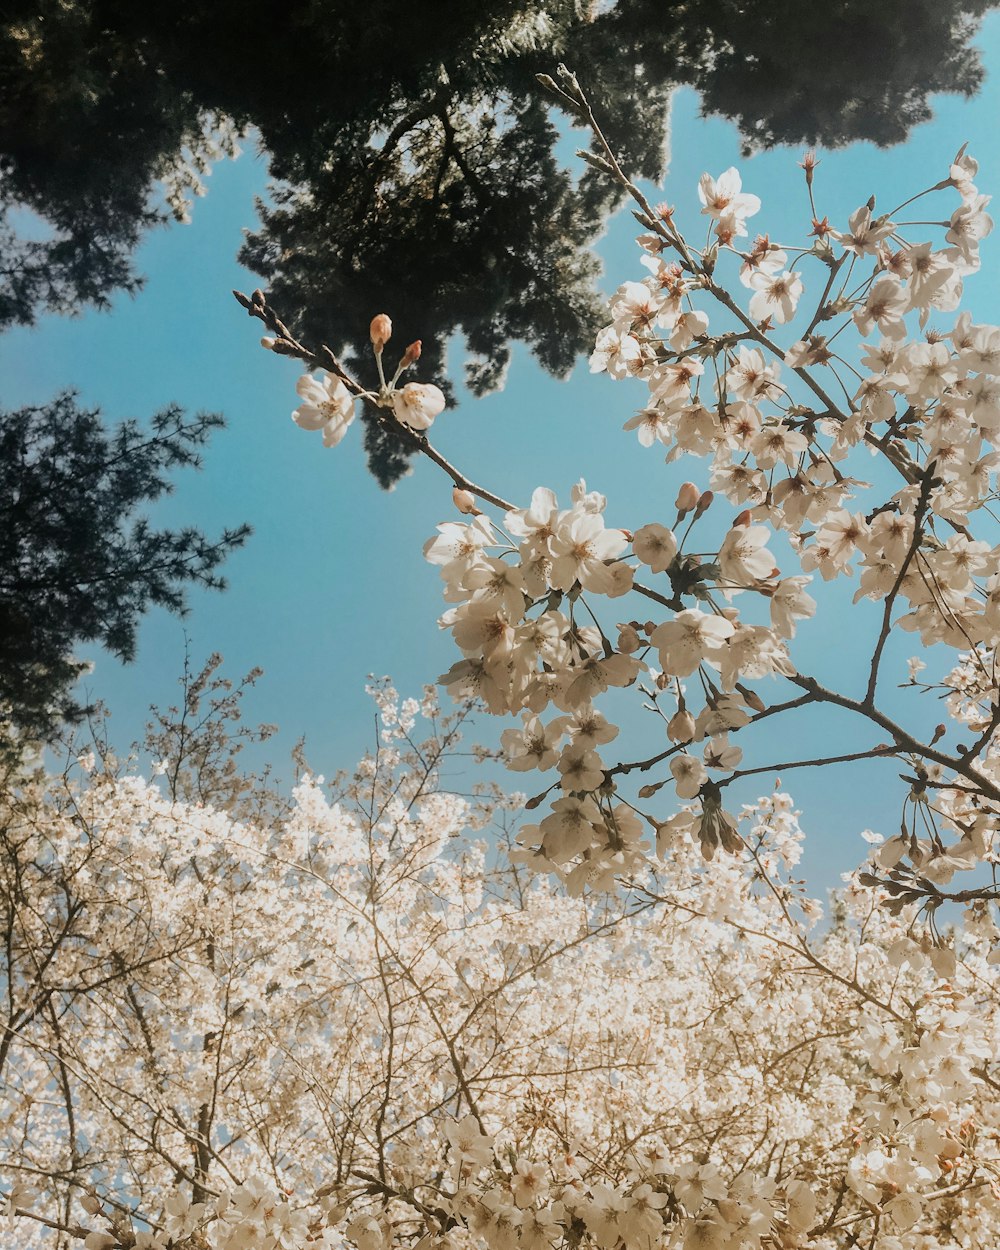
[
  {"x": 79, "y": 562},
  {"x": 416, "y": 166}
]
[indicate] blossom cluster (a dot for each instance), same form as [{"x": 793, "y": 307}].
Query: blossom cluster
[
  {"x": 328, "y": 405},
  {"x": 526, "y": 591},
  {"x": 781, "y": 504},
  {"x": 341, "y": 1026}
]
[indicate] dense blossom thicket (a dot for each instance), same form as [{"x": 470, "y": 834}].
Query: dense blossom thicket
[
  {"x": 344, "y": 1023},
  {"x": 242, "y": 1027}
]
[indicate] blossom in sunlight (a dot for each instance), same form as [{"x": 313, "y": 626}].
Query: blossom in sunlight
[
  {"x": 744, "y": 557},
  {"x": 790, "y": 603},
  {"x": 417, "y": 404},
  {"x": 533, "y": 745},
  {"x": 689, "y": 639},
  {"x": 750, "y": 377},
  {"x": 581, "y": 548},
  {"x": 327, "y": 405},
  {"x": 969, "y": 225},
  {"x": 468, "y": 1140},
  {"x": 776, "y": 296},
  {"x": 721, "y": 754},
  {"x": 656, "y": 546},
  {"x": 884, "y": 308},
  {"x": 724, "y": 197},
  {"x": 864, "y": 234},
  {"x": 764, "y": 257},
  {"x": 616, "y": 351},
  {"x": 580, "y": 768},
  {"x": 689, "y": 775},
  {"x": 459, "y": 548}
]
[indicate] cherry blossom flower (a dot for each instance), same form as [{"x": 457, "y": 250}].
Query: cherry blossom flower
[
  {"x": 532, "y": 746},
  {"x": 750, "y": 377},
  {"x": 580, "y": 768},
  {"x": 721, "y": 754},
  {"x": 327, "y": 405},
  {"x": 656, "y": 546},
  {"x": 790, "y": 603},
  {"x": 777, "y": 296},
  {"x": 458, "y": 548},
  {"x": 885, "y": 306},
  {"x": 689, "y": 774},
  {"x": 691, "y": 638},
  {"x": 864, "y": 234},
  {"x": 580, "y": 548},
  {"x": 468, "y": 1141},
  {"x": 417, "y": 404},
  {"x": 616, "y": 352},
  {"x": 743, "y": 557},
  {"x": 724, "y": 197}
]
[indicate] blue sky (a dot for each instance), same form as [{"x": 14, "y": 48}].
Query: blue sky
[{"x": 332, "y": 585}]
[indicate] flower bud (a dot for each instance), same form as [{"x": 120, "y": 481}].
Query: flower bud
[
  {"x": 465, "y": 502},
  {"x": 91, "y": 1204},
  {"x": 687, "y": 497},
  {"x": 380, "y": 331},
  {"x": 628, "y": 639},
  {"x": 704, "y": 503},
  {"x": 681, "y": 726},
  {"x": 282, "y": 347},
  {"x": 751, "y": 697},
  {"x": 742, "y": 519},
  {"x": 268, "y": 343},
  {"x": 411, "y": 355}
]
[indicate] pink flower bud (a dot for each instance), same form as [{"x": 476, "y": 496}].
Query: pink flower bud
[
  {"x": 742, "y": 519},
  {"x": 380, "y": 331},
  {"x": 411, "y": 355},
  {"x": 687, "y": 497},
  {"x": 704, "y": 503}
]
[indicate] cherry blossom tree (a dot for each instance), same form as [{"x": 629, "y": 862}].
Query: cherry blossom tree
[
  {"x": 347, "y": 1022},
  {"x": 526, "y": 584},
  {"x": 344, "y": 1022}
]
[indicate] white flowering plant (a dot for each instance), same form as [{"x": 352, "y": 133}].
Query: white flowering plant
[
  {"x": 711, "y": 643},
  {"x": 345, "y": 1024}
]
